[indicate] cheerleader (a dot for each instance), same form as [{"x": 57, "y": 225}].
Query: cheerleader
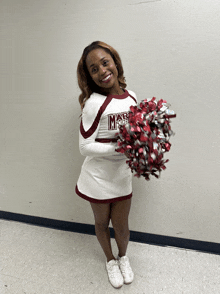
[{"x": 105, "y": 179}]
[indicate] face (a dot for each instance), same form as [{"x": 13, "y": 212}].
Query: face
[{"x": 103, "y": 71}]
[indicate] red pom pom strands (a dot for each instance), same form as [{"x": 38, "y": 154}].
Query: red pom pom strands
[{"x": 145, "y": 137}]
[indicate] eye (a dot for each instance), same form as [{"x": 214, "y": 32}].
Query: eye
[
  {"x": 105, "y": 62},
  {"x": 94, "y": 70}
]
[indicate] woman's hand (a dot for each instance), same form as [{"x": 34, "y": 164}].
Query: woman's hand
[{"x": 127, "y": 154}]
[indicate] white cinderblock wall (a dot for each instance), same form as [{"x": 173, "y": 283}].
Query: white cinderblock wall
[{"x": 169, "y": 49}]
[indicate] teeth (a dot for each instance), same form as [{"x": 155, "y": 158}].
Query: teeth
[{"x": 105, "y": 79}]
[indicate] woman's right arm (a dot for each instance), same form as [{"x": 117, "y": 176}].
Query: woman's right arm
[{"x": 88, "y": 133}]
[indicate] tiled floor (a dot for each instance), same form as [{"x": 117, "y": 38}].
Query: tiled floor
[{"x": 36, "y": 260}]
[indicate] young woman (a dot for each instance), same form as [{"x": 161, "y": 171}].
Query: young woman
[{"x": 105, "y": 179}]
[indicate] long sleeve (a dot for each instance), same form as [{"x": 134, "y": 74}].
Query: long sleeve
[
  {"x": 88, "y": 133},
  {"x": 90, "y": 148}
]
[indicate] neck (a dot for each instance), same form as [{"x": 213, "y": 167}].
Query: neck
[{"x": 118, "y": 91}]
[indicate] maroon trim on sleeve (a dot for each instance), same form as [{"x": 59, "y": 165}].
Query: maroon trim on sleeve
[
  {"x": 106, "y": 140},
  {"x": 91, "y": 130},
  {"x": 133, "y": 98},
  {"x": 101, "y": 201}
]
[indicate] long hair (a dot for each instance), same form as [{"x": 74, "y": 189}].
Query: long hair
[{"x": 86, "y": 84}]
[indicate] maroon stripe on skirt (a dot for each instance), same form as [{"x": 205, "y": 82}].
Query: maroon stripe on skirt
[{"x": 101, "y": 201}]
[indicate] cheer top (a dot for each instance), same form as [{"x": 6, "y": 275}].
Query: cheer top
[{"x": 105, "y": 177}]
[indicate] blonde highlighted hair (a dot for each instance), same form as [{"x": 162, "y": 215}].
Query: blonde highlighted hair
[{"x": 86, "y": 84}]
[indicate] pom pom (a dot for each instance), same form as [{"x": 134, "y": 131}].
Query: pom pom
[{"x": 145, "y": 137}]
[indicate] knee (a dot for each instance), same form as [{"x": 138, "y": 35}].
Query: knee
[
  {"x": 121, "y": 230},
  {"x": 101, "y": 226}
]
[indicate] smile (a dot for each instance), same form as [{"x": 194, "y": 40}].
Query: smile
[{"x": 106, "y": 79}]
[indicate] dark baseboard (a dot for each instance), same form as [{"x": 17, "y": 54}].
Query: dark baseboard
[{"x": 159, "y": 240}]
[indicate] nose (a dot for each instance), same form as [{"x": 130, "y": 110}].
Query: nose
[{"x": 102, "y": 70}]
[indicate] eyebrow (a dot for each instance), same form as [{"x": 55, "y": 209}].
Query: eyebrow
[{"x": 94, "y": 64}]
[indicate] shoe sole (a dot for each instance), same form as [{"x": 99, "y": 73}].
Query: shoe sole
[
  {"x": 116, "y": 287},
  {"x": 128, "y": 283}
]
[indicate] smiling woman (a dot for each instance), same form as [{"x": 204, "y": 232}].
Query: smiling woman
[
  {"x": 105, "y": 179},
  {"x": 103, "y": 71},
  {"x": 85, "y": 80}
]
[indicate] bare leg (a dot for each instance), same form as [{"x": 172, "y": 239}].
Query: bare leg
[
  {"x": 119, "y": 217},
  {"x": 102, "y": 218}
]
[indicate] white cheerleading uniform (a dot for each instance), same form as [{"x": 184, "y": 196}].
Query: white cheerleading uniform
[{"x": 105, "y": 176}]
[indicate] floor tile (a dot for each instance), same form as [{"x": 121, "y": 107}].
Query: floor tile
[{"x": 38, "y": 260}]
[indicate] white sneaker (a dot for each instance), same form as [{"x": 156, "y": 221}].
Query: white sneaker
[
  {"x": 126, "y": 269},
  {"x": 114, "y": 274}
]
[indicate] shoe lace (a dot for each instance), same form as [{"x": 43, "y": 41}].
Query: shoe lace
[
  {"x": 113, "y": 270},
  {"x": 125, "y": 266}
]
